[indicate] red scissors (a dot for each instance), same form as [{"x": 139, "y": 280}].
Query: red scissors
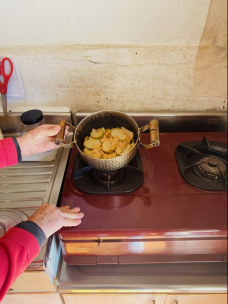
[{"x": 4, "y": 84}]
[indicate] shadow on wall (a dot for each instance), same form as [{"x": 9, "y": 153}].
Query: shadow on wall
[{"x": 210, "y": 68}]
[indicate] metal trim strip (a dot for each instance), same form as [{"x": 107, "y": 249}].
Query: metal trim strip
[{"x": 177, "y": 121}]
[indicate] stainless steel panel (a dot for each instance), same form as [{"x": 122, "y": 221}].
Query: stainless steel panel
[
  {"x": 154, "y": 278},
  {"x": 21, "y": 196},
  {"x": 14, "y": 171},
  {"x": 4, "y": 179},
  {"x": 6, "y": 188},
  {"x": 33, "y": 165},
  {"x": 175, "y": 258},
  {"x": 180, "y": 246},
  {"x": 178, "y": 121},
  {"x": 21, "y": 204}
]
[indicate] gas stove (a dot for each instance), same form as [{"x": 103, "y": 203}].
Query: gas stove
[{"x": 168, "y": 205}]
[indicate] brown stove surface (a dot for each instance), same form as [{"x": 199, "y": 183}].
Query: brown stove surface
[{"x": 164, "y": 206}]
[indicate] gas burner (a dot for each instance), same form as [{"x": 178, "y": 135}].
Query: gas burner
[
  {"x": 92, "y": 181},
  {"x": 108, "y": 177},
  {"x": 204, "y": 164},
  {"x": 211, "y": 168}
]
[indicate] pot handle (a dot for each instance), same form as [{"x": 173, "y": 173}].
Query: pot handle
[
  {"x": 154, "y": 134},
  {"x": 60, "y": 136}
]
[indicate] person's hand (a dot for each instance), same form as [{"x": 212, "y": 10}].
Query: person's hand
[
  {"x": 50, "y": 218},
  {"x": 39, "y": 140}
]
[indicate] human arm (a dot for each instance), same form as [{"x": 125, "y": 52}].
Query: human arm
[
  {"x": 21, "y": 244},
  {"x": 8, "y": 152},
  {"x": 39, "y": 140}
]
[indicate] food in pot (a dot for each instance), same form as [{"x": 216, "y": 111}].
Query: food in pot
[
  {"x": 128, "y": 147},
  {"x": 109, "y": 143},
  {"x": 106, "y": 147},
  {"x": 129, "y": 133},
  {"x": 92, "y": 143},
  {"x": 93, "y": 153},
  {"x": 97, "y": 134},
  {"x": 120, "y": 133}
]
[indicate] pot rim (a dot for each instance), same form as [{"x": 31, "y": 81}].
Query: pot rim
[{"x": 100, "y": 159}]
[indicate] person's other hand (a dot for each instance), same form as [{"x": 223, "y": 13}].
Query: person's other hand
[
  {"x": 39, "y": 140},
  {"x": 50, "y": 218}
]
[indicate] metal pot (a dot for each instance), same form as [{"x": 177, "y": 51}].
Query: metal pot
[{"x": 109, "y": 120}]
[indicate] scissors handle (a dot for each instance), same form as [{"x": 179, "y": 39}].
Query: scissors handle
[{"x": 6, "y": 76}]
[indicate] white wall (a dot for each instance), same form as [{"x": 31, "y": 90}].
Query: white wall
[
  {"x": 57, "y": 22},
  {"x": 129, "y": 55}
]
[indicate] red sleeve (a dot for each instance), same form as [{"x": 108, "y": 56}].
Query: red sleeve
[
  {"x": 18, "y": 248},
  {"x": 8, "y": 153}
]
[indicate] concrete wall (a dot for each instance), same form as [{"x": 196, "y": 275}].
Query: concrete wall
[{"x": 118, "y": 54}]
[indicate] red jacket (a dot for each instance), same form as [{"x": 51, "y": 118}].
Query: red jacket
[{"x": 18, "y": 247}]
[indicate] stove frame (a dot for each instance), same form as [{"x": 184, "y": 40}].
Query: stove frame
[{"x": 179, "y": 247}]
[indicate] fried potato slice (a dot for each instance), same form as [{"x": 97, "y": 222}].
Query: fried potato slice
[
  {"x": 96, "y": 147},
  {"x": 111, "y": 155},
  {"x": 120, "y": 133},
  {"x": 92, "y": 153},
  {"x": 128, "y": 147},
  {"x": 105, "y": 156},
  {"x": 114, "y": 143},
  {"x": 128, "y": 139},
  {"x": 108, "y": 132},
  {"x": 106, "y": 147},
  {"x": 106, "y": 139},
  {"x": 97, "y": 134},
  {"x": 129, "y": 133},
  {"x": 91, "y": 142},
  {"x": 120, "y": 147}
]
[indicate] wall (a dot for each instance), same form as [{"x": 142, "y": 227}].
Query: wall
[
  {"x": 210, "y": 67},
  {"x": 118, "y": 54},
  {"x": 56, "y": 22}
]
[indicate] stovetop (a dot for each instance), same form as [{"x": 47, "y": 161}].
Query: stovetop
[{"x": 165, "y": 204}]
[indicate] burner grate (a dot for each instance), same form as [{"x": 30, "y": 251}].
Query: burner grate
[
  {"x": 203, "y": 164},
  {"x": 124, "y": 180}
]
